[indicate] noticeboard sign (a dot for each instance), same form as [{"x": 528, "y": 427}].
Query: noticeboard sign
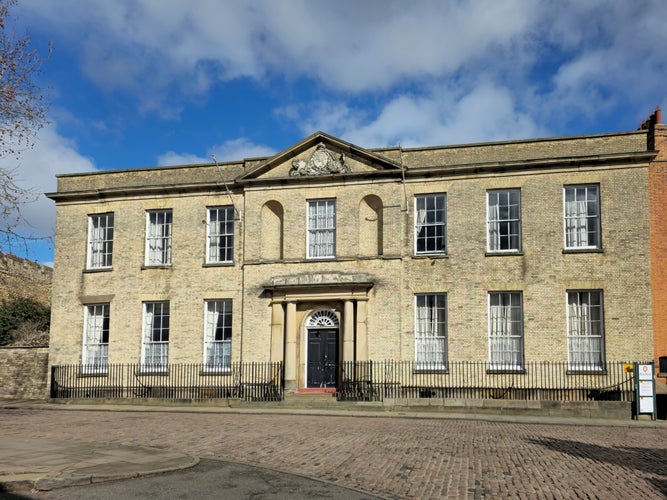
[{"x": 645, "y": 389}]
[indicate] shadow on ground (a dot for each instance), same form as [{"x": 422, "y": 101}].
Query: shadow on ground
[{"x": 652, "y": 461}]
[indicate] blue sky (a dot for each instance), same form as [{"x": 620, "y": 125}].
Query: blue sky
[{"x": 137, "y": 83}]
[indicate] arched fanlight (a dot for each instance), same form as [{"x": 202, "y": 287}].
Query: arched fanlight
[{"x": 323, "y": 318}]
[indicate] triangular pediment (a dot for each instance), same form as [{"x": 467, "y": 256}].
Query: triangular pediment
[{"x": 320, "y": 155}]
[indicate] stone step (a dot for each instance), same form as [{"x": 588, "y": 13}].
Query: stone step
[{"x": 310, "y": 399}]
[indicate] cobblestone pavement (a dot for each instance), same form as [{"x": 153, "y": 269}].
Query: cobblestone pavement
[{"x": 393, "y": 457}]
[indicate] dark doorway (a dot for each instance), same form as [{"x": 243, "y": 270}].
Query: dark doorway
[{"x": 322, "y": 357}]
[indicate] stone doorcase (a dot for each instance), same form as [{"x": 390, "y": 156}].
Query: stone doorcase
[{"x": 295, "y": 298}]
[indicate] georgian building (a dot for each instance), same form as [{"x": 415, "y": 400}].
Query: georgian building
[{"x": 506, "y": 252}]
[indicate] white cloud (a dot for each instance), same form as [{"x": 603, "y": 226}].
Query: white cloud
[
  {"x": 232, "y": 150},
  {"x": 237, "y": 149},
  {"x": 160, "y": 51},
  {"x": 344, "y": 45},
  {"x": 174, "y": 158},
  {"x": 441, "y": 116},
  {"x": 36, "y": 171}
]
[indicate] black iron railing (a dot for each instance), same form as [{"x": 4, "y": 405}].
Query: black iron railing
[
  {"x": 559, "y": 381},
  {"x": 246, "y": 381}
]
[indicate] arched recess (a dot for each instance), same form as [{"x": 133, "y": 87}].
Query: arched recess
[
  {"x": 370, "y": 226},
  {"x": 271, "y": 246}
]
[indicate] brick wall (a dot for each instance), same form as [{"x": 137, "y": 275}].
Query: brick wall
[
  {"x": 24, "y": 372},
  {"x": 658, "y": 223}
]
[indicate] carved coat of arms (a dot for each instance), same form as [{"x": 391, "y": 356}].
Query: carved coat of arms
[{"x": 321, "y": 162}]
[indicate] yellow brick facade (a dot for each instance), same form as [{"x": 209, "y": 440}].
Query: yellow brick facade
[{"x": 371, "y": 283}]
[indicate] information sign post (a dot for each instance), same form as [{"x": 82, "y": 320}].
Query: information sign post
[{"x": 645, "y": 390}]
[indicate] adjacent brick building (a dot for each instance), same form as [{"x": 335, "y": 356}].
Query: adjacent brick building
[{"x": 535, "y": 250}]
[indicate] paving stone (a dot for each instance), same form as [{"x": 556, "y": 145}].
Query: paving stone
[{"x": 394, "y": 457}]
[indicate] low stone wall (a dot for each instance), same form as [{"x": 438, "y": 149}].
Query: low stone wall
[
  {"x": 581, "y": 409},
  {"x": 24, "y": 372}
]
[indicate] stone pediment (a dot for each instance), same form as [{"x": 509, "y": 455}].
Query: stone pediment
[{"x": 317, "y": 156}]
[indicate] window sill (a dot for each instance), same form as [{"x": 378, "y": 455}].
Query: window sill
[
  {"x": 93, "y": 270},
  {"x": 216, "y": 372},
  {"x": 502, "y": 371},
  {"x": 157, "y": 266},
  {"x": 164, "y": 372},
  {"x": 503, "y": 253},
  {"x": 439, "y": 255},
  {"x": 218, "y": 264},
  {"x": 87, "y": 372},
  {"x": 319, "y": 259},
  {"x": 424, "y": 371},
  {"x": 582, "y": 250},
  {"x": 588, "y": 371}
]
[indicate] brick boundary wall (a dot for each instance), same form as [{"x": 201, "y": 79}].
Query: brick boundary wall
[
  {"x": 24, "y": 372},
  {"x": 658, "y": 230}
]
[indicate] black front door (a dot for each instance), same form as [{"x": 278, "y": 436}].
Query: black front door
[{"x": 322, "y": 357}]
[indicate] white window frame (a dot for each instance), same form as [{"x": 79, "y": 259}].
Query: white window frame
[
  {"x": 100, "y": 241},
  {"x": 581, "y": 217},
  {"x": 506, "y": 350},
  {"x": 218, "y": 316},
  {"x": 585, "y": 330},
  {"x": 430, "y": 223},
  {"x": 220, "y": 235},
  {"x": 431, "y": 331},
  {"x": 158, "y": 237},
  {"x": 95, "y": 351},
  {"x": 155, "y": 337},
  {"x": 321, "y": 228},
  {"x": 503, "y": 220}
]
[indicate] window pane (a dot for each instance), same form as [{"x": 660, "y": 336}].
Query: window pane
[
  {"x": 220, "y": 235},
  {"x": 156, "y": 335},
  {"x": 218, "y": 334},
  {"x": 431, "y": 331},
  {"x": 504, "y": 220},
  {"x": 158, "y": 238},
  {"x": 505, "y": 330},
  {"x": 96, "y": 338},
  {"x": 585, "y": 330},
  {"x": 321, "y": 228},
  {"x": 430, "y": 223},
  {"x": 582, "y": 217},
  {"x": 100, "y": 241}
]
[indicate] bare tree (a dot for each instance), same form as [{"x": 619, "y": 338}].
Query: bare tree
[{"x": 22, "y": 114}]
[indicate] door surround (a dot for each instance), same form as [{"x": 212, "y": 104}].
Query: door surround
[{"x": 290, "y": 297}]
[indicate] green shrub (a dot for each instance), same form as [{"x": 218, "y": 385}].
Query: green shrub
[{"x": 17, "y": 311}]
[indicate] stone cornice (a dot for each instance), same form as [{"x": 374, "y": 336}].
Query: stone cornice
[{"x": 446, "y": 171}]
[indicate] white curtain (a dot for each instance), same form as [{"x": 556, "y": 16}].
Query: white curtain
[
  {"x": 159, "y": 238},
  {"x": 218, "y": 351},
  {"x": 96, "y": 349},
  {"x": 505, "y": 343},
  {"x": 322, "y": 228},
  {"x": 155, "y": 351},
  {"x": 584, "y": 345},
  {"x": 576, "y": 214},
  {"x": 494, "y": 227},
  {"x": 430, "y": 337},
  {"x": 97, "y": 237},
  {"x": 419, "y": 220}
]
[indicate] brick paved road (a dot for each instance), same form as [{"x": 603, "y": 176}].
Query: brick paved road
[{"x": 394, "y": 457}]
